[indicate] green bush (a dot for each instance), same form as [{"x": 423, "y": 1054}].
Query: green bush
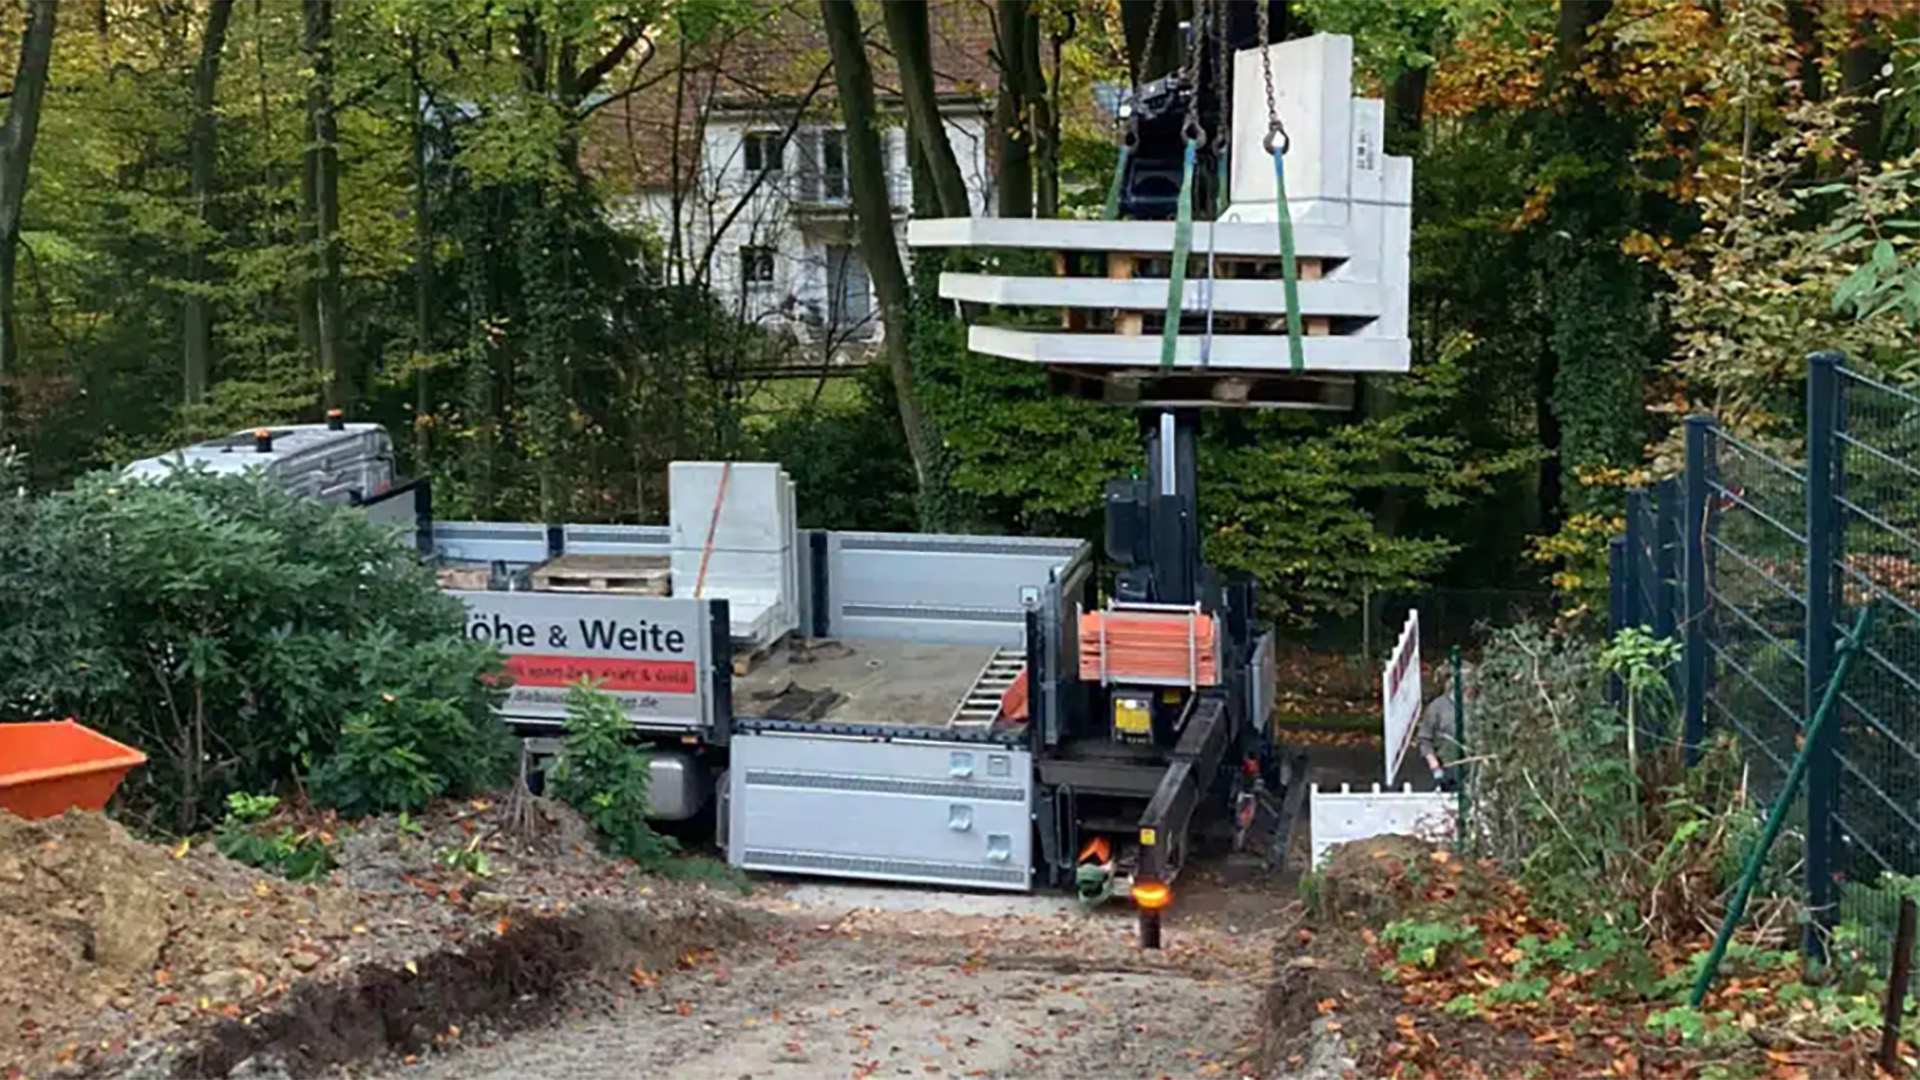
[
  {"x": 603, "y": 775},
  {"x": 1600, "y": 825},
  {"x": 246, "y": 836},
  {"x": 244, "y": 638}
]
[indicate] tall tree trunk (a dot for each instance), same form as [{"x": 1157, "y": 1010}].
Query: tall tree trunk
[
  {"x": 306, "y": 296},
  {"x": 1860, "y": 66},
  {"x": 1803, "y": 21},
  {"x": 202, "y": 154},
  {"x": 1575, "y": 19},
  {"x": 324, "y": 207},
  {"x": 873, "y": 214},
  {"x": 912, "y": 48},
  {"x": 1041, "y": 126},
  {"x": 1406, "y": 104},
  {"x": 423, "y": 268},
  {"x": 1012, "y": 131},
  {"x": 1406, "y": 109},
  {"x": 103, "y": 40},
  {"x": 925, "y": 193},
  {"x": 16, "y": 155},
  {"x": 1597, "y": 296}
]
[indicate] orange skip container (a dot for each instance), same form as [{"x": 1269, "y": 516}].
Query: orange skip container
[{"x": 47, "y": 769}]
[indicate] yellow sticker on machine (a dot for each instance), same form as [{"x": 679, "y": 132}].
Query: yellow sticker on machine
[
  {"x": 1131, "y": 716},
  {"x": 1148, "y": 837}
]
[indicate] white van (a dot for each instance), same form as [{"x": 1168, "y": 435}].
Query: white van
[{"x": 337, "y": 461}]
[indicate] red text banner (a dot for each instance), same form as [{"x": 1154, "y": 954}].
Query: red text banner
[{"x": 650, "y": 676}]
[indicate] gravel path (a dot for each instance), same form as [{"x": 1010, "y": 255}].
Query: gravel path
[{"x": 865, "y": 982}]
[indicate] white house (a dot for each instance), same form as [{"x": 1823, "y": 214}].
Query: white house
[
  {"x": 763, "y": 209},
  {"x": 768, "y": 217}
]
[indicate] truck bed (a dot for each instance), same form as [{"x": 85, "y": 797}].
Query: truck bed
[{"x": 861, "y": 682}]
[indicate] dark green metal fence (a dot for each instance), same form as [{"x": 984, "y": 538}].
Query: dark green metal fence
[{"x": 1757, "y": 560}]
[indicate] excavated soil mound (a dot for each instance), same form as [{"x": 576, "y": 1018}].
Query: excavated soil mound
[
  {"x": 118, "y": 956},
  {"x": 1375, "y": 878},
  {"x": 102, "y": 933}
]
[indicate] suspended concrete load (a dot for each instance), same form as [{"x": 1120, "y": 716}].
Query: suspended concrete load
[{"x": 1348, "y": 209}]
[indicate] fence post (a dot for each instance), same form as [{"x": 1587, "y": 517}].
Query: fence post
[
  {"x": 1665, "y": 571},
  {"x": 1693, "y": 527},
  {"x": 1636, "y": 550},
  {"x": 1822, "y": 759},
  {"x": 1618, "y": 589}
]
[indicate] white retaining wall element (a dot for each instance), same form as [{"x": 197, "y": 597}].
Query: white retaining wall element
[
  {"x": 1241, "y": 352},
  {"x": 1227, "y": 237},
  {"x": 1400, "y": 694},
  {"x": 1313, "y": 91},
  {"x": 1352, "y": 209},
  {"x": 1336, "y": 818},
  {"x": 754, "y": 564}
]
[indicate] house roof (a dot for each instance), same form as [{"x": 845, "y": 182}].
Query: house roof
[{"x": 769, "y": 67}]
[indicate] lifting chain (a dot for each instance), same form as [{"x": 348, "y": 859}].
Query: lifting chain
[
  {"x": 1274, "y": 126},
  {"x": 1289, "y": 264},
  {"x": 1146, "y": 57},
  {"x": 1223, "y": 95},
  {"x": 1195, "y": 136},
  {"x": 1130, "y": 140},
  {"x": 1190, "y": 129}
]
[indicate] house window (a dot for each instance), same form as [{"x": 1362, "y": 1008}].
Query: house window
[
  {"x": 823, "y": 165},
  {"x": 833, "y": 165},
  {"x": 849, "y": 299},
  {"x": 756, "y": 266},
  {"x": 761, "y": 152}
]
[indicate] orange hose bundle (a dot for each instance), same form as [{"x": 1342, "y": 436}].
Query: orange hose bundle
[{"x": 1163, "y": 647}]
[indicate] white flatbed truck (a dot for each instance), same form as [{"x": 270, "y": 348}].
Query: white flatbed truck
[{"x": 922, "y": 720}]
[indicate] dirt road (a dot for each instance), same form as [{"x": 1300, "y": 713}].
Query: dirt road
[{"x": 874, "y": 982}]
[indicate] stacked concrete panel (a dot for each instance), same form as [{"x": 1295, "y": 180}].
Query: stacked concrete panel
[
  {"x": 739, "y": 520},
  {"x": 1351, "y": 207}
]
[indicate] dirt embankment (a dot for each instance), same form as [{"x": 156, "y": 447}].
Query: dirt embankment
[
  {"x": 516, "y": 979},
  {"x": 152, "y": 963},
  {"x": 129, "y": 958},
  {"x": 105, "y": 935}
]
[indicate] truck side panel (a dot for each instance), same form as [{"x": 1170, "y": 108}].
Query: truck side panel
[
  {"x": 962, "y": 590},
  {"x": 933, "y": 813}
]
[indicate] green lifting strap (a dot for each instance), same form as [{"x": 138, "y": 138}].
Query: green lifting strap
[
  {"x": 1177, "y": 279},
  {"x": 1119, "y": 180},
  {"x": 1289, "y": 270}
]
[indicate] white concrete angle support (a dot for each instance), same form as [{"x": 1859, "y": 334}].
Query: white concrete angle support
[
  {"x": 752, "y": 561},
  {"x": 1351, "y": 207}
]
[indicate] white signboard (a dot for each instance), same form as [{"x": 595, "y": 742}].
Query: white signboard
[
  {"x": 649, "y": 652},
  {"x": 1400, "y": 695},
  {"x": 1361, "y": 815}
]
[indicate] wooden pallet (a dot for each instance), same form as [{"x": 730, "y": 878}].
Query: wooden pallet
[
  {"x": 748, "y": 655},
  {"x": 630, "y": 575},
  {"x": 465, "y": 578},
  {"x": 1150, "y": 389},
  {"x": 1123, "y": 266}
]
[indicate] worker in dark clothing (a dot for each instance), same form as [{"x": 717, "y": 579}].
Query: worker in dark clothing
[{"x": 1435, "y": 734}]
